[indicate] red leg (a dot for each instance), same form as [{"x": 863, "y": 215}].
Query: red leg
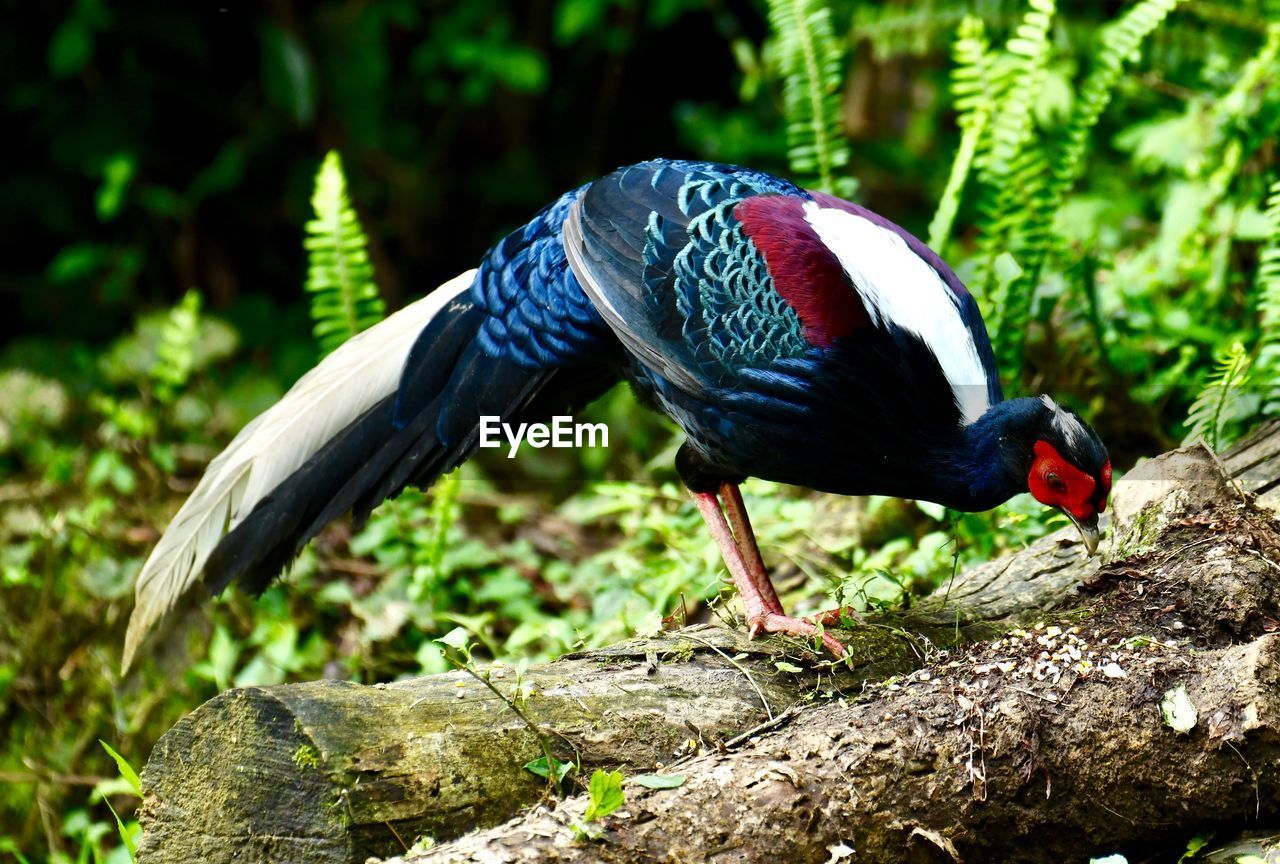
[
  {"x": 759, "y": 618},
  {"x": 745, "y": 540}
]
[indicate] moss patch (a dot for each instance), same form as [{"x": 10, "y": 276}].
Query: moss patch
[{"x": 306, "y": 756}]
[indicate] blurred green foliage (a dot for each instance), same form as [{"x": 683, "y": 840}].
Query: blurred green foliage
[{"x": 1102, "y": 175}]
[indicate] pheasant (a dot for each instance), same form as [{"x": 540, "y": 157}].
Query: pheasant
[{"x": 791, "y": 335}]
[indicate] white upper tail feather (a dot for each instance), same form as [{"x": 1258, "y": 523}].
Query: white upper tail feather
[{"x": 351, "y": 380}]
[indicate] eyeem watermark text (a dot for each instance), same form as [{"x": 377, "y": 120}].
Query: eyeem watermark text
[{"x": 562, "y": 432}]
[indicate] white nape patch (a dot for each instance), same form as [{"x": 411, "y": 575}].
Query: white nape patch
[
  {"x": 899, "y": 287},
  {"x": 1068, "y": 425}
]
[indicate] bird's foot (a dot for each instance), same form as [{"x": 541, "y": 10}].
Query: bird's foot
[
  {"x": 838, "y": 616},
  {"x": 772, "y": 622}
]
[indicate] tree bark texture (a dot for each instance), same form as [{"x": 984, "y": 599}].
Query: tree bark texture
[{"x": 962, "y": 731}]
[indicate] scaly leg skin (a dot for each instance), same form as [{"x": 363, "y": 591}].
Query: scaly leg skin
[
  {"x": 745, "y": 539},
  {"x": 760, "y": 619}
]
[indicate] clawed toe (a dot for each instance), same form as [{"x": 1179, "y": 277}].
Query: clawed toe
[
  {"x": 836, "y": 617},
  {"x": 771, "y": 622}
]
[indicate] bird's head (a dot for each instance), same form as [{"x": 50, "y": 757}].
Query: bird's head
[{"x": 1069, "y": 468}]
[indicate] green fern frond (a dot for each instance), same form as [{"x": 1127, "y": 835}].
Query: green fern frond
[
  {"x": 971, "y": 91},
  {"x": 444, "y": 513},
  {"x": 809, "y": 58},
  {"x": 1234, "y": 14},
  {"x": 176, "y": 350},
  {"x": 1043, "y": 190},
  {"x": 1120, "y": 44},
  {"x": 1018, "y": 80},
  {"x": 344, "y": 296},
  {"x": 1207, "y": 419},
  {"x": 916, "y": 29},
  {"x": 1005, "y": 160},
  {"x": 1010, "y": 220},
  {"x": 1268, "y": 288}
]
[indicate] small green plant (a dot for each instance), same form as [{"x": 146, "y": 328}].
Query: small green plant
[
  {"x": 176, "y": 348},
  {"x": 1195, "y": 846},
  {"x": 553, "y": 770},
  {"x": 129, "y": 834},
  {"x": 1268, "y": 291},
  {"x": 1218, "y": 401},
  {"x": 344, "y": 295},
  {"x": 604, "y": 794}
]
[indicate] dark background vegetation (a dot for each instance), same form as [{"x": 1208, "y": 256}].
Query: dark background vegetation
[
  {"x": 456, "y": 121},
  {"x": 157, "y": 149}
]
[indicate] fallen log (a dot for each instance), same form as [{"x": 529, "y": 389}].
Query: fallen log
[
  {"x": 334, "y": 771},
  {"x": 1122, "y": 724},
  {"x": 337, "y": 772}
]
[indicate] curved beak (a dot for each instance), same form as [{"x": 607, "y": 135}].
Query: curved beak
[{"x": 1089, "y": 533}]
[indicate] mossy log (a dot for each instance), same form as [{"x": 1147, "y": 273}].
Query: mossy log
[
  {"x": 1143, "y": 710},
  {"x": 335, "y": 772}
]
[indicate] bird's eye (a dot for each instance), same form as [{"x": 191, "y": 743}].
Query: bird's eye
[{"x": 1055, "y": 482}]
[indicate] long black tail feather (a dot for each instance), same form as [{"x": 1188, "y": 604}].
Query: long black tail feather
[
  {"x": 412, "y": 437},
  {"x": 396, "y": 441}
]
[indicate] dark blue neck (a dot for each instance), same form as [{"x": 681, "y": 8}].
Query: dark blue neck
[{"x": 988, "y": 462}]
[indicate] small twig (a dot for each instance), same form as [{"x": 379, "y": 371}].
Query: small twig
[
  {"x": 353, "y": 567},
  {"x": 1172, "y": 552},
  {"x": 544, "y": 744},
  {"x": 511, "y": 703},
  {"x": 953, "y": 525},
  {"x": 25, "y": 491},
  {"x": 53, "y": 777},
  {"x": 766, "y": 726},
  {"x": 1112, "y": 812},
  {"x": 1035, "y": 694},
  {"x": 745, "y": 672},
  {"x": 1263, "y": 558},
  {"x": 399, "y": 839},
  {"x": 1257, "y": 796}
]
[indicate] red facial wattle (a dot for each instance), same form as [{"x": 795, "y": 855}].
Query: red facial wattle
[{"x": 1056, "y": 482}]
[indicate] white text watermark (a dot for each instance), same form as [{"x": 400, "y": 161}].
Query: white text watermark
[{"x": 562, "y": 433}]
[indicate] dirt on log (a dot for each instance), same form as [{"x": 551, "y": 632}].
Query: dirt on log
[{"x": 964, "y": 730}]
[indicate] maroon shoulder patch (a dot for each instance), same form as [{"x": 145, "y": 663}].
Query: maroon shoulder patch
[{"x": 804, "y": 271}]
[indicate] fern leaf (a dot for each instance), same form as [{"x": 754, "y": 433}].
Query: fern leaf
[
  {"x": 1268, "y": 289},
  {"x": 918, "y": 29},
  {"x": 344, "y": 296},
  {"x": 1209, "y": 415},
  {"x": 970, "y": 88},
  {"x": 809, "y": 59},
  {"x": 1019, "y": 80},
  {"x": 444, "y": 513},
  {"x": 1006, "y": 164},
  {"x": 176, "y": 350},
  {"x": 1120, "y": 43}
]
